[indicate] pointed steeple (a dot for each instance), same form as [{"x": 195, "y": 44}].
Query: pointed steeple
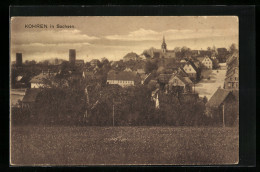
[{"x": 164, "y": 46}]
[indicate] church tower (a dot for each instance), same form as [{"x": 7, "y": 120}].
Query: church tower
[{"x": 164, "y": 46}]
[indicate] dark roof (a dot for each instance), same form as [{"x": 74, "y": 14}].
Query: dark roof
[
  {"x": 30, "y": 95},
  {"x": 122, "y": 75},
  {"x": 218, "y": 97},
  {"x": 200, "y": 59},
  {"x": 40, "y": 78},
  {"x": 193, "y": 65},
  {"x": 164, "y": 78},
  {"x": 185, "y": 80}
]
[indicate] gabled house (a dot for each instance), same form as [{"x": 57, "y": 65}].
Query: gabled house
[
  {"x": 223, "y": 105},
  {"x": 127, "y": 69},
  {"x": 40, "y": 80},
  {"x": 232, "y": 74},
  {"x": 183, "y": 83},
  {"x": 206, "y": 61},
  {"x": 191, "y": 70}
]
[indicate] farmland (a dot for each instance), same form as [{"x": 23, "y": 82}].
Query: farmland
[{"x": 31, "y": 145}]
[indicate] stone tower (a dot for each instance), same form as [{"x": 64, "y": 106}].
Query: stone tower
[
  {"x": 72, "y": 56},
  {"x": 19, "y": 59}
]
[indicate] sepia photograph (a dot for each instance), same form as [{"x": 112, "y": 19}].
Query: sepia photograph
[{"x": 124, "y": 90}]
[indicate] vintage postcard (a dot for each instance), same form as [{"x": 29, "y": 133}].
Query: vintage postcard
[{"x": 124, "y": 90}]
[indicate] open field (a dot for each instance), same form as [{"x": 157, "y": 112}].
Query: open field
[
  {"x": 58, "y": 145},
  {"x": 208, "y": 87}
]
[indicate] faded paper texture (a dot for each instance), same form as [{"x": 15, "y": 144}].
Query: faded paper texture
[{"x": 108, "y": 90}]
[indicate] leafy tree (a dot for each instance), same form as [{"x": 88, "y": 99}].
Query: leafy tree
[
  {"x": 150, "y": 66},
  {"x": 233, "y": 48},
  {"x": 215, "y": 63}
]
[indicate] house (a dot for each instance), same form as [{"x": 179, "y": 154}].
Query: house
[
  {"x": 191, "y": 70},
  {"x": 131, "y": 56},
  {"x": 30, "y": 97},
  {"x": 183, "y": 83},
  {"x": 182, "y": 73},
  {"x": 127, "y": 69},
  {"x": 123, "y": 78},
  {"x": 232, "y": 74},
  {"x": 206, "y": 61},
  {"x": 223, "y": 105},
  {"x": 40, "y": 80}
]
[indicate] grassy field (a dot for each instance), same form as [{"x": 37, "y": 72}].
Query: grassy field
[{"x": 32, "y": 145}]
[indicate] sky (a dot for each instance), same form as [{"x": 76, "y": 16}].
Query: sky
[{"x": 113, "y": 37}]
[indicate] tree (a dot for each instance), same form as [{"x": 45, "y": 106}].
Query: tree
[
  {"x": 104, "y": 61},
  {"x": 233, "y": 48},
  {"x": 177, "y": 49},
  {"x": 185, "y": 52},
  {"x": 150, "y": 66},
  {"x": 215, "y": 63}
]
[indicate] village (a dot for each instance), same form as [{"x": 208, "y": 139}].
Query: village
[{"x": 163, "y": 82}]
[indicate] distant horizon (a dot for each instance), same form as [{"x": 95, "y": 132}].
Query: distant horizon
[{"x": 114, "y": 37}]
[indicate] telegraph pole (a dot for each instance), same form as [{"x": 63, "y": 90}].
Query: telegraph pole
[
  {"x": 194, "y": 87},
  {"x": 113, "y": 113},
  {"x": 223, "y": 110}
]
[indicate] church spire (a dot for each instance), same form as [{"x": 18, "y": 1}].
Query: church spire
[{"x": 164, "y": 46}]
